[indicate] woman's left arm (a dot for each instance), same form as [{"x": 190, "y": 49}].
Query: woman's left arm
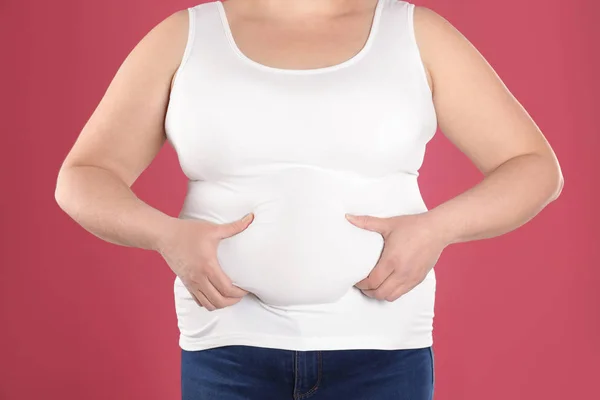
[{"x": 480, "y": 116}]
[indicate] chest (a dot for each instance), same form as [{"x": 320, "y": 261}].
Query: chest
[
  {"x": 307, "y": 42},
  {"x": 241, "y": 122},
  {"x": 233, "y": 115}
]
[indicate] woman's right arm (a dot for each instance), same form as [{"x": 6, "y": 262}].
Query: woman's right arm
[
  {"x": 119, "y": 141},
  {"x": 117, "y": 144}
]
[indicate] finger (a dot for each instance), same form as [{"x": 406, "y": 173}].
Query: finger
[
  {"x": 202, "y": 300},
  {"x": 387, "y": 288},
  {"x": 232, "y": 228},
  {"x": 377, "y": 276},
  {"x": 223, "y": 283},
  {"x": 400, "y": 291},
  {"x": 370, "y": 223},
  {"x": 213, "y": 295}
]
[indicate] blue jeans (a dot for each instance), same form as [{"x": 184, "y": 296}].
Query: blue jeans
[{"x": 257, "y": 373}]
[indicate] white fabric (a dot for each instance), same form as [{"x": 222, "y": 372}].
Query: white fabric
[{"x": 300, "y": 148}]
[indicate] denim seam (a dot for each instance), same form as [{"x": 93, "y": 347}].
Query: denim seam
[
  {"x": 432, "y": 366},
  {"x": 295, "y": 372},
  {"x": 319, "y": 372}
]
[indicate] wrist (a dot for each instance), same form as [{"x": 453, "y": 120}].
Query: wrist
[
  {"x": 440, "y": 226},
  {"x": 164, "y": 233}
]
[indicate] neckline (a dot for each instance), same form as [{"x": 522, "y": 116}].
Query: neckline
[{"x": 305, "y": 71}]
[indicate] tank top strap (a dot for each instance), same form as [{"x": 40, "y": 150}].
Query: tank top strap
[
  {"x": 209, "y": 35},
  {"x": 393, "y": 26},
  {"x": 395, "y": 41},
  {"x": 396, "y": 50},
  {"x": 391, "y": 41}
]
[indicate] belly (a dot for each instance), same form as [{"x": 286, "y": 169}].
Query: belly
[{"x": 300, "y": 249}]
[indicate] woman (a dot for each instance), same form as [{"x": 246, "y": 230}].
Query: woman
[{"x": 309, "y": 119}]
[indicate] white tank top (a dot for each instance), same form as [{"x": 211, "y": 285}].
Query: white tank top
[{"x": 299, "y": 149}]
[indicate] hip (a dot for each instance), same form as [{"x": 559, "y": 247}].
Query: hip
[
  {"x": 353, "y": 322},
  {"x": 248, "y": 372}
]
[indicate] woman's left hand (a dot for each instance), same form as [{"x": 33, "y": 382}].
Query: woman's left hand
[{"x": 411, "y": 249}]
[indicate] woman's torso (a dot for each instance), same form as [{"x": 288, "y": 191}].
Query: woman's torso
[{"x": 300, "y": 148}]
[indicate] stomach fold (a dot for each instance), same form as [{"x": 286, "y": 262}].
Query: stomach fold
[{"x": 300, "y": 248}]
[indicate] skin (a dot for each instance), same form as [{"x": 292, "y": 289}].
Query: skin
[
  {"x": 480, "y": 116},
  {"x": 476, "y": 112}
]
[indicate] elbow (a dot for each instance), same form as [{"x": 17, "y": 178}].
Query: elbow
[
  {"x": 558, "y": 181},
  {"x": 551, "y": 172},
  {"x": 561, "y": 184},
  {"x": 61, "y": 194},
  {"x": 60, "y": 200}
]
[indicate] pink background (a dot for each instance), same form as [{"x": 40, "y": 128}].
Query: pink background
[{"x": 517, "y": 317}]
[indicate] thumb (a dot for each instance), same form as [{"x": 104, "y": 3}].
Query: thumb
[
  {"x": 369, "y": 222},
  {"x": 235, "y": 227}
]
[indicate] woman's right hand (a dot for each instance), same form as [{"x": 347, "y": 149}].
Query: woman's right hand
[{"x": 190, "y": 250}]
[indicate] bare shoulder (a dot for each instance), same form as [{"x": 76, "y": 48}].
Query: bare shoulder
[
  {"x": 172, "y": 35},
  {"x": 437, "y": 38},
  {"x": 474, "y": 108},
  {"x": 126, "y": 129},
  {"x": 166, "y": 41}
]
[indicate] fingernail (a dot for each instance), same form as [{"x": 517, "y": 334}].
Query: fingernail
[
  {"x": 349, "y": 217},
  {"x": 247, "y": 217}
]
